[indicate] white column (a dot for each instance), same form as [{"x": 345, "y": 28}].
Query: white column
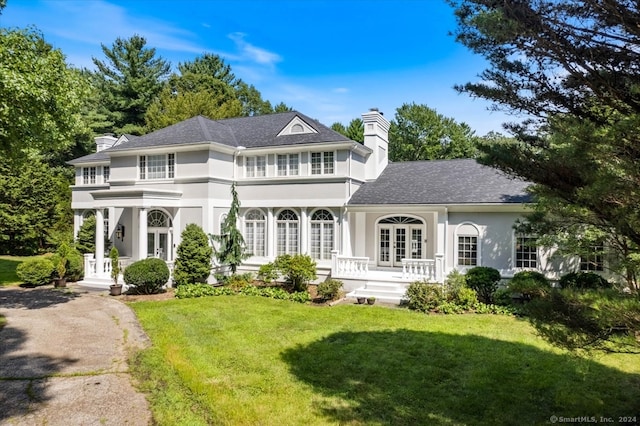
[
  {"x": 270, "y": 234},
  {"x": 142, "y": 233},
  {"x": 77, "y": 222},
  {"x": 441, "y": 239},
  {"x": 99, "y": 242},
  {"x": 304, "y": 231},
  {"x": 346, "y": 232}
]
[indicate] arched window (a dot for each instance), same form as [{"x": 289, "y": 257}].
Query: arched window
[
  {"x": 287, "y": 227},
  {"x": 468, "y": 249},
  {"x": 157, "y": 219},
  {"x": 254, "y": 232},
  {"x": 322, "y": 234}
]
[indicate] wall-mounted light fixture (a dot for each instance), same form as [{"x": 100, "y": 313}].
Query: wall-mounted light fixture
[{"x": 120, "y": 232}]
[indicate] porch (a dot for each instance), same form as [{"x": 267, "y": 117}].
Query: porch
[{"x": 361, "y": 279}]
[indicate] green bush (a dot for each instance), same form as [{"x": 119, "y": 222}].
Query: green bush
[
  {"x": 503, "y": 297},
  {"x": 238, "y": 281},
  {"x": 466, "y": 298},
  {"x": 268, "y": 273},
  {"x": 330, "y": 289},
  {"x": 484, "y": 280},
  {"x": 75, "y": 266},
  {"x": 584, "y": 281},
  {"x": 298, "y": 270},
  {"x": 193, "y": 259},
  {"x": 423, "y": 296},
  {"x": 35, "y": 271},
  {"x": 453, "y": 283},
  {"x": 189, "y": 291},
  {"x": 148, "y": 276}
]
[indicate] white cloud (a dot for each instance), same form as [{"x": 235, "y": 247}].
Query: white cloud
[{"x": 254, "y": 53}]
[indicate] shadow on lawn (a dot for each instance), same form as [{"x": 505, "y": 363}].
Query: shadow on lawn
[{"x": 411, "y": 377}]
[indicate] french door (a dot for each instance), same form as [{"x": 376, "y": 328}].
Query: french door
[
  {"x": 158, "y": 243},
  {"x": 397, "y": 242}
]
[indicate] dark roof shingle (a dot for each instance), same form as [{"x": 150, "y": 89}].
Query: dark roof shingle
[{"x": 441, "y": 182}]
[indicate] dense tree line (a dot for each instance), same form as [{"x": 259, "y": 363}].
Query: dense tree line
[{"x": 572, "y": 68}]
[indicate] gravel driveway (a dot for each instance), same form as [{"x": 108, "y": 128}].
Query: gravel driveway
[{"x": 63, "y": 359}]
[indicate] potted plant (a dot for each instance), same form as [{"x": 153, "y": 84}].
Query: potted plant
[
  {"x": 361, "y": 300},
  {"x": 371, "y": 300},
  {"x": 115, "y": 289}
]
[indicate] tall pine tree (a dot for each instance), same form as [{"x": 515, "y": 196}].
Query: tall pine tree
[{"x": 231, "y": 249}]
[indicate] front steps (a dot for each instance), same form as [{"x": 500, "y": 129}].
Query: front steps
[{"x": 383, "y": 292}]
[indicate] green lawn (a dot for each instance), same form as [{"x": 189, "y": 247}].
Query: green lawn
[
  {"x": 242, "y": 360},
  {"x": 8, "y": 265}
]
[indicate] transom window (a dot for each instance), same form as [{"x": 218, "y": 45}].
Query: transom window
[
  {"x": 401, "y": 220},
  {"x": 287, "y": 227},
  {"x": 254, "y": 226},
  {"x": 156, "y": 166},
  {"x": 526, "y": 252},
  {"x": 288, "y": 165},
  {"x": 594, "y": 260},
  {"x": 256, "y": 166},
  {"x": 322, "y": 234},
  {"x": 322, "y": 163},
  {"x": 158, "y": 219},
  {"x": 88, "y": 175}
]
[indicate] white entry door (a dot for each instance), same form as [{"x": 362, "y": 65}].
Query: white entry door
[
  {"x": 158, "y": 243},
  {"x": 397, "y": 242}
]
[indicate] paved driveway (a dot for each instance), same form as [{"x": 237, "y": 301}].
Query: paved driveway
[{"x": 63, "y": 359}]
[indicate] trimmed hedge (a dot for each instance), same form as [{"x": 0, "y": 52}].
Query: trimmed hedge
[
  {"x": 35, "y": 271},
  {"x": 484, "y": 280},
  {"x": 148, "y": 276}
]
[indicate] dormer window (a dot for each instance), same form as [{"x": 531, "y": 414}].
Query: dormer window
[{"x": 151, "y": 167}]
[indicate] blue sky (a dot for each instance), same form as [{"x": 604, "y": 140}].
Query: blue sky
[{"x": 331, "y": 60}]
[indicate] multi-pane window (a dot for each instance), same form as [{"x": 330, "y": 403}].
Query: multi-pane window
[
  {"x": 288, "y": 165},
  {"x": 88, "y": 175},
  {"x": 106, "y": 172},
  {"x": 256, "y": 166},
  {"x": 467, "y": 250},
  {"x": 287, "y": 227},
  {"x": 255, "y": 225},
  {"x": 526, "y": 252},
  {"x": 322, "y": 231},
  {"x": 156, "y": 166},
  {"x": 322, "y": 163},
  {"x": 594, "y": 260}
]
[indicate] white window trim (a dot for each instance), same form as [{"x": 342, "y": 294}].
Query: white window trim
[
  {"x": 603, "y": 263},
  {"x": 288, "y": 164},
  {"x": 514, "y": 262},
  {"x": 322, "y": 164},
  {"x": 167, "y": 167},
  {"x": 334, "y": 221},
  {"x": 245, "y": 233},
  {"x": 88, "y": 170},
  {"x": 478, "y": 248},
  {"x": 299, "y": 232},
  {"x": 246, "y": 166}
]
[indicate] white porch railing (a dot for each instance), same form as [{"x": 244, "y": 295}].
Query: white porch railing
[
  {"x": 348, "y": 266},
  {"x": 419, "y": 269}
]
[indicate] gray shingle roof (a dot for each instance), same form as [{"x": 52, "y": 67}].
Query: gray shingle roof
[
  {"x": 250, "y": 132},
  {"x": 441, "y": 182}
]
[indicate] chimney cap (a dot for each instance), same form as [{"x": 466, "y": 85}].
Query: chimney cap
[{"x": 374, "y": 109}]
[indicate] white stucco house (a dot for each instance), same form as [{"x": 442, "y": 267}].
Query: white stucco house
[{"x": 303, "y": 188}]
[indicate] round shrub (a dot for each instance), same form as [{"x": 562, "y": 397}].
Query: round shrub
[
  {"x": 74, "y": 266},
  {"x": 466, "y": 298},
  {"x": 583, "y": 281},
  {"x": 147, "y": 275},
  {"x": 484, "y": 280},
  {"x": 35, "y": 271},
  {"x": 423, "y": 296},
  {"x": 330, "y": 289},
  {"x": 529, "y": 285}
]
